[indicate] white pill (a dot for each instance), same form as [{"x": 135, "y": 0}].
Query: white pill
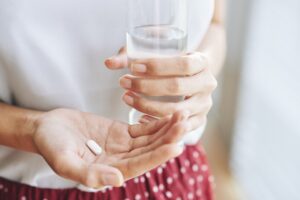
[{"x": 94, "y": 147}]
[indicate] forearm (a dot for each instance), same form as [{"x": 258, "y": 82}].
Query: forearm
[
  {"x": 17, "y": 127},
  {"x": 214, "y": 46}
]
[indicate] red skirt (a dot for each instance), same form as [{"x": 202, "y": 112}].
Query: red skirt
[{"x": 183, "y": 178}]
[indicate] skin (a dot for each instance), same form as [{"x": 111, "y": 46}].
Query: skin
[
  {"x": 191, "y": 75},
  {"x": 60, "y": 136}
]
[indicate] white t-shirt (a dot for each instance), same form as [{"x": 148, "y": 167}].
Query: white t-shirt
[{"x": 52, "y": 54}]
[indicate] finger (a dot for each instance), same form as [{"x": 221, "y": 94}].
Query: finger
[
  {"x": 183, "y": 65},
  {"x": 71, "y": 166},
  {"x": 143, "y": 121},
  {"x": 198, "y": 103},
  {"x": 171, "y": 135},
  {"x": 150, "y": 128},
  {"x": 170, "y": 86},
  {"x": 118, "y": 61},
  {"x": 146, "y": 140},
  {"x": 138, "y": 130},
  {"x": 197, "y": 121},
  {"x": 147, "y": 118},
  {"x": 135, "y": 166}
]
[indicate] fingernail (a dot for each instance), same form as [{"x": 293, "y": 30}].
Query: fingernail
[
  {"x": 112, "y": 57},
  {"x": 111, "y": 179},
  {"x": 109, "y": 60},
  {"x": 141, "y": 68},
  {"x": 126, "y": 83},
  {"x": 128, "y": 99}
]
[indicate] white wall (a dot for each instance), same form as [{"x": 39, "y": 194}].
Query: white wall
[{"x": 266, "y": 142}]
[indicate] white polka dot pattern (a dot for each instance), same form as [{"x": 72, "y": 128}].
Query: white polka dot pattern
[
  {"x": 204, "y": 168},
  {"x": 146, "y": 194},
  {"x": 180, "y": 179},
  {"x": 195, "y": 168},
  {"x": 187, "y": 163},
  {"x": 159, "y": 170},
  {"x": 191, "y": 181},
  {"x": 182, "y": 170},
  {"x": 137, "y": 197},
  {"x": 169, "y": 180},
  {"x": 148, "y": 175},
  {"x": 136, "y": 180},
  {"x": 200, "y": 178},
  {"x": 190, "y": 196},
  {"x": 161, "y": 187},
  {"x": 199, "y": 193},
  {"x": 155, "y": 189},
  {"x": 211, "y": 179},
  {"x": 169, "y": 194},
  {"x": 195, "y": 154}
]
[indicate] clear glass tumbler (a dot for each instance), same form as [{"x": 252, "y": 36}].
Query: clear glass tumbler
[{"x": 157, "y": 28}]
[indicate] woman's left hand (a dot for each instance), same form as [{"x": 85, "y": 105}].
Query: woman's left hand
[{"x": 186, "y": 75}]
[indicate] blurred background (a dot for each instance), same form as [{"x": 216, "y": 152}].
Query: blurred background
[{"x": 253, "y": 138}]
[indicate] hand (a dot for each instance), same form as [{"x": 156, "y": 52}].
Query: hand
[
  {"x": 186, "y": 75},
  {"x": 128, "y": 150}
]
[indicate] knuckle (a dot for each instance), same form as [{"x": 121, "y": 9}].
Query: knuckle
[
  {"x": 58, "y": 166},
  {"x": 150, "y": 109},
  {"x": 175, "y": 86},
  {"x": 212, "y": 83},
  {"x": 209, "y": 103},
  {"x": 122, "y": 50},
  {"x": 174, "y": 107},
  {"x": 187, "y": 64},
  {"x": 90, "y": 181},
  {"x": 201, "y": 121},
  {"x": 138, "y": 85},
  {"x": 146, "y": 86},
  {"x": 171, "y": 108},
  {"x": 137, "y": 103},
  {"x": 203, "y": 60},
  {"x": 207, "y": 106},
  {"x": 167, "y": 140},
  {"x": 152, "y": 66}
]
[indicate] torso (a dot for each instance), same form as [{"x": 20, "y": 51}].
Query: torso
[{"x": 52, "y": 54}]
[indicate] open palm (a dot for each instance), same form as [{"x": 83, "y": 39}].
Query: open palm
[{"x": 128, "y": 150}]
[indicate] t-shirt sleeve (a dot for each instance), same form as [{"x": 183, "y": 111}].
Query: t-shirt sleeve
[
  {"x": 5, "y": 94},
  {"x": 200, "y": 14}
]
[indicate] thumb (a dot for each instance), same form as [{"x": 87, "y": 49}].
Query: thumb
[
  {"x": 99, "y": 175},
  {"x": 95, "y": 175},
  {"x": 118, "y": 61}
]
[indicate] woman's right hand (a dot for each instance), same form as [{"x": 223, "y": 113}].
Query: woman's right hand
[{"x": 128, "y": 150}]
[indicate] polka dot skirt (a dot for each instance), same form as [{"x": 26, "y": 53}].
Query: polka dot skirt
[{"x": 183, "y": 178}]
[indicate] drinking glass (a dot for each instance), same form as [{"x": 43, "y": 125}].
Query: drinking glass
[{"x": 157, "y": 28}]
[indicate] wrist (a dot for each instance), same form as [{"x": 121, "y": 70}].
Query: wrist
[{"x": 26, "y": 129}]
